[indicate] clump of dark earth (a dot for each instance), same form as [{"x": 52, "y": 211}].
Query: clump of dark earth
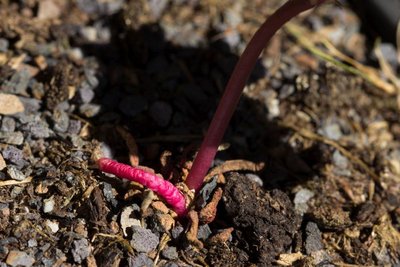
[{"x": 265, "y": 222}]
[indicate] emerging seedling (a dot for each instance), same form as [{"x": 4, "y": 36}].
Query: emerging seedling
[
  {"x": 236, "y": 84},
  {"x": 221, "y": 118}
]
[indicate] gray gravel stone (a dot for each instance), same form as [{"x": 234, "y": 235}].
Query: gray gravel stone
[
  {"x": 141, "y": 260},
  {"x": 32, "y": 243},
  {"x": 313, "y": 241},
  {"x": 170, "y": 253},
  {"x": 19, "y": 258},
  {"x": 14, "y": 155},
  {"x": 31, "y": 105},
  {"x": 14, "y": 173},
  {"x": 74, "y": 127},
  {"x": 61, "y": 121},
  {"x": 86, "y": 94},
  {"x": 38, "y": 129},
  {"x": 177, "y": 231},
  {"x": 143, "y": 240},
  {"x": 3, "y": 45},
  {"x": 8, "y": 124},
  {"x": 332, "y": 131},
  {"x": 339, "y": 160},
  {"x": 18, "y": 83},
  {"x": 80, "y": 250},
  {"x": 157, "y": 7},
  {"x": 12, "y": 138},
  {"x": 286, "y": 90},
  {"x": 204, "y": 232},
  {"x": 205, "y": 192}
]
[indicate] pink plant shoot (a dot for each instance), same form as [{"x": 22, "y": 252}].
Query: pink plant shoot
[
  {"x": 163, "y": 188},
  {"x": 236, "y": 84}
]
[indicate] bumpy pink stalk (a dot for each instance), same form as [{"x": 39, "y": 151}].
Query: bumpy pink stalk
[
  {"x": 162, "y": 187},
  {"x": 236, "y": 84}
]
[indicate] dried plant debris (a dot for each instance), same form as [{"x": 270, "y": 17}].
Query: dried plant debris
[{"x": 316, "y": 140}]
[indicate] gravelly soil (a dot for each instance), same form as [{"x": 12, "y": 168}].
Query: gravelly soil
[{"x": 140, "y": 80}]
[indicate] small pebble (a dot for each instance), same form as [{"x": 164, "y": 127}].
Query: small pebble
[
  {"x": 271, "y": 102},
  {"x": 31, "y": 105},
  {"x": 48, "y": 9},
  {"x": 53, "y": 226},
  {"x": 16, "y": 138},
  {"x": 89, "y": 33},
  {"x": 14, "y": 155},
  {"x": 32, "y": 243},
  {"x": 170, "y": 253},
  {"x": 143, "y": 240},
  {"x": 389, "y": 52},
  {"x": 74, "y": 126},
  {"x": 89, "y": 110},
  {"x": 313, "y": 240},
  {"x": 38, "y": 129},
  {"x": 86, "y": 94},
  {"x": 18, "y": 83},
  {"x": 206, "y": 191},
  {"x": 141, "y": 260},
  {"x": 61, "y": 121},
  {"x": 14, "y": 173},
  {"x": 286, "y": 90},
  {"x": 157, "y": 7},
  {"x": 204, "y": 232},
  {"x": 10, "y": 104},
  {"x": 80, "y": 250},
  {"x": 332, "y": 131},
  {"x": 48, "y": 205},
  {"x": 339, "y": 160},
  {"x": 109, "y": 195},
  {"x": 300, "y": 200},
  {"x": 19, "y": 258},
  {"x": 3, "y": 45},
  {"x": 8, "y": 125},
  {"x": 128, "y": 219},
  {"x": 177, "y": 231}
]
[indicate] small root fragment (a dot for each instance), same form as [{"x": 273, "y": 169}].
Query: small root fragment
[
  {"x": 191, "y": 235},
  {"x": 15, "y": 182},
  {"x": 208, "y": 213},
  {"x": 222, "y": 236},
  {"x": 131, "y": 144},
  {"x": 234, "y": 165}
]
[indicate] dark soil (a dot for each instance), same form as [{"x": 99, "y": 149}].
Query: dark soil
[{"x": 140, "y": 80}]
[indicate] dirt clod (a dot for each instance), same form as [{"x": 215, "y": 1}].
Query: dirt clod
[{"x": 265, "y": 222}]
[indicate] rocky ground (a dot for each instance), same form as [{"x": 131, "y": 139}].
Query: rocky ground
[{"x": 308, "y": 175}]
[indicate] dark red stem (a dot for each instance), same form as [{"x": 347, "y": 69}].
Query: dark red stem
[{"x": 236, "y": 84}]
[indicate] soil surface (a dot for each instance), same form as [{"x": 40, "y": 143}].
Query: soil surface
[{"x": 308, "y": 174}]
